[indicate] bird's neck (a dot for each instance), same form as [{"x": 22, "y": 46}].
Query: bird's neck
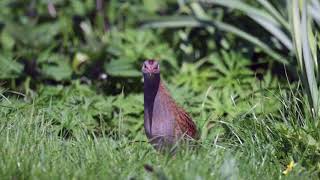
[{"x": 151, "y": 87}]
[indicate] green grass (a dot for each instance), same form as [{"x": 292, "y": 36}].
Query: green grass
[{"x": 37, "y": 143}]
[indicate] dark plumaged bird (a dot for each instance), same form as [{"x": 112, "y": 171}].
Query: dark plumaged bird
[{"x": 165, "y": 122}]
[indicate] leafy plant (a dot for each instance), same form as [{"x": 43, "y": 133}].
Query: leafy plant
[
  {"x": 9, "y": 68},
  {"x": 131, "y": 47},
  {"x": 289, "y": 24}
]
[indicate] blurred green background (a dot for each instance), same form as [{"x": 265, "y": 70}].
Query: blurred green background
[{"x": 246, "y": 70}]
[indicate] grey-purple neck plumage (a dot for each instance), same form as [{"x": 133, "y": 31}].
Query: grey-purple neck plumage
[{"x": 150, "y": 88}]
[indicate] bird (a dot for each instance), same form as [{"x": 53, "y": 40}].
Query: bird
[{"x": 165, "y": 122}]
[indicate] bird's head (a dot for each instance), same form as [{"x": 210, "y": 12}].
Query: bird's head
[{"x": 150, "y": 67}]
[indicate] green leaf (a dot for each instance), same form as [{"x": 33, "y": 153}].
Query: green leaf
[
  {"x": 187, "y": 21},
  {"x": 58, "y": 69},
  {"x": 7, "y": 41},
  {"x": 267, "y": 21},
  {"x": 122, "y": 68},
  {"x": 296, "y": 31},
  {"x": 274, "y": 12},
  {"x": 308, "y": 60},
  {"x": 171, "y": 22},
  {"x": 311, "y": 141},
  {"x": 275, "y": 30},
  {"x": 9, "y": 68},
  {"x": 244, "y": 7},
  {"x": 151, "y": 5},
  {"x": 79, "y": 59}
]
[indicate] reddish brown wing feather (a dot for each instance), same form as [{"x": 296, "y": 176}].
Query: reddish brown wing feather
[{"x": 185, "y": 123}]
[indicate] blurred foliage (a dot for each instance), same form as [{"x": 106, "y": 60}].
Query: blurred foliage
[
  {"x": 60, "y": 41},
  {"x": 54, "y": 49}
]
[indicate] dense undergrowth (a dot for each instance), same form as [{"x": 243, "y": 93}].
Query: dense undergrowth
[{"x": 71, "y": 104}]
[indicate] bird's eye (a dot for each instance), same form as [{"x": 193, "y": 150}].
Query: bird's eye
[
  {"x": 144, "y": 66},
  {"x": 156, "y": 67}
]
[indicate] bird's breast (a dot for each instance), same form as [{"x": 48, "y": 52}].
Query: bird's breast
[{"x": 161, "y": 127}]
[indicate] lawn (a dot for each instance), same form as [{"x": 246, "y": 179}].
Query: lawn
[
  {"x": 54, "y": 136},
  {"x": 71, "y": 88}
]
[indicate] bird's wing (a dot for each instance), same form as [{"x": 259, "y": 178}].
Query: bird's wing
[{"x": 185, "y": 123}]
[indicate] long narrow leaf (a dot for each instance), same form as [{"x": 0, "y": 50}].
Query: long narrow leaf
[
  {"x": 262, "y": 18},
  {"x": 296, "y": 34},
  {"x": 308, "y": 61},
  {"x": 275, "y": 31},
  {"x": 201, "y": 15},
  {"x": 312, "y": 45},
  {"x": 229, "y": 28},
  {"x": 190, "y": 21},
  {"x": 274, "y": 13},
  {"x": 171, "y": 22},
  {"x": 316, "y": 4},
  {"x": 239, "y": 5},
  {"x": 315, "y": 13}
]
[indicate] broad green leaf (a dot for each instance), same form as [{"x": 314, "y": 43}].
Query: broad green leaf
[
  {"x": 7, "y": 42},
  {"x": 58, "y": 70},
  {"x": 122, "y": 68},
  {"x": 9, "y": 68},
  {"x": 78, "y": 60},
  {"x": 151, "y": 5}
]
